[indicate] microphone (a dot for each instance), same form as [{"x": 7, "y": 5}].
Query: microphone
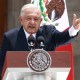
[
  {"x": 40, "y": 41},
  {"x": 31, "y": 42}
]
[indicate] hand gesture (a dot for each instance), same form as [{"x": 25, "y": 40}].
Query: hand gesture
[{"x": 76, "y": 22}]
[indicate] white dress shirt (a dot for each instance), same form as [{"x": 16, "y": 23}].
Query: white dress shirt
[{"x": 73, "y": 32}]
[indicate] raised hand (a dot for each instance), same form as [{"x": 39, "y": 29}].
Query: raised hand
[{"x": 76, "y": 22}]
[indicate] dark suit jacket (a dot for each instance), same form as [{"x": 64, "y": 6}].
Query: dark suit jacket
[{"x": 15, "y": 40}]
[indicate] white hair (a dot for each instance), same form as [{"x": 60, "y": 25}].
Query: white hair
[{"x": 28, "y": 6}]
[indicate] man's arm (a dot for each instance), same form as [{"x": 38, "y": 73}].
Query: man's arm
[{"x": 4, "y": 48}]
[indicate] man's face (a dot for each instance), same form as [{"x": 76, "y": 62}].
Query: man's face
[{"x": 31, "y": 20}]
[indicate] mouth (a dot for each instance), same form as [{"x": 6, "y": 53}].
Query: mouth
[{"x": 31, "y": 27}]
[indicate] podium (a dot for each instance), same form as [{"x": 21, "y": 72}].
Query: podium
[{"x": 16, "y": 68}]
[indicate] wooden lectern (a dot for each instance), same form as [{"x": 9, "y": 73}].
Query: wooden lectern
[{"x": 16, "y": 68}]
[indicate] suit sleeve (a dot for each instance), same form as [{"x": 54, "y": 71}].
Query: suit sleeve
[
  {"x": 62, "y": 38},
  {"x": 5, "y": 47}
]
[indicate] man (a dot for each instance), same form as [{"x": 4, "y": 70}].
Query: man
[{"x": 30, "y": 18}]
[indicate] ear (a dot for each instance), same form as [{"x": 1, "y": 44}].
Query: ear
[
  {"x": 20, "y": 19},
  {"x": 41, "y": 19}
]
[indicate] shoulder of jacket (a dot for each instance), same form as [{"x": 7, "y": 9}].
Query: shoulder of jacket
[{"x": 12, "y": 32}]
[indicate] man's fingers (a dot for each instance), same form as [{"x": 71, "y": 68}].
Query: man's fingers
[
  {"x": 74, "y": 18},
  {"x": 76, "y": 22}
]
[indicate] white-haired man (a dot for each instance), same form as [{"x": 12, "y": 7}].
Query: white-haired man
[{"x": 30, "y": 19}]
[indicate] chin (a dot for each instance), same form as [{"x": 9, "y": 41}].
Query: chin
[{"x": 32, "y": 32}]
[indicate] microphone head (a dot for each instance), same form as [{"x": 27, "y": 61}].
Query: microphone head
[
  {"x": 31, "y": 39},
  {"x": 31, "y": 42},
  {"x": 40, "y": 39}
]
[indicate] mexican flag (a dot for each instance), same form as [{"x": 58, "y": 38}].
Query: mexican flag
[{"x": 53, "y": 12}]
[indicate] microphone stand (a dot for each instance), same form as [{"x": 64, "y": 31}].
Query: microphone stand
[
  {"x": 31, "y": 46},
  {"x": 41, "y": 45}
]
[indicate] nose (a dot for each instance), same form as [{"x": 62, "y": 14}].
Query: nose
[{"x": 32, "y": 21}]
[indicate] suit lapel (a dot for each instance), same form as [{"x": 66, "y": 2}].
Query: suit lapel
[{"x": 22, "y": 41}]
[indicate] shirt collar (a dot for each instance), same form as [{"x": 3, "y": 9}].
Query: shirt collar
[{"x": 27, "y": 34}]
